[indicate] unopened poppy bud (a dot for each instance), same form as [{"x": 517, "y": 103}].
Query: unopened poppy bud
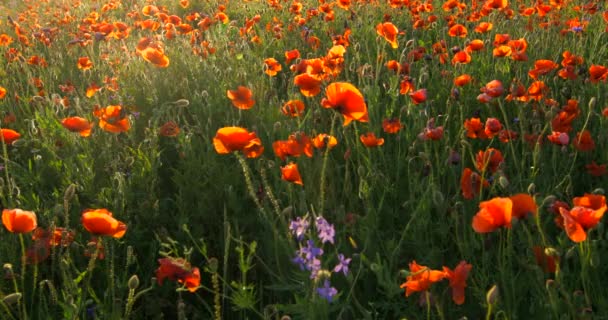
[
  {"x": 213, "y": 264},
  {"x": 403, "y": 273},
  {"x": 592, "y": 103},
  {"x": 550, "y": 284},
  {"x": 492, "y": 295},
  {"x": 595, "y": 260},
  {"x": 438, "y": 198},
  {"x": 548, "y": 200},
  {"x": 182, "y": 103},
  {"x": 287, "y": 211},
  {"x": 598, "y": 191},
  {"x": 552, "y": 252},
  {"x": 503, "y": 182},
  {"x": 374, "y": 267},
  {"x": 133, "y": 282},
  {"x": 11, "y": 299},
  {"x": 8, "y": 271},
  {"x": 361, "y": 171},
  {"x": 276, "y": 126},
  {"x": 285, "y": 317},
  {"x": 531, "y": 188},
  {"x": 69, "y": 193}
]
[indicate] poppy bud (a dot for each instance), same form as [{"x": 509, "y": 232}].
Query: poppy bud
[
  {"x": 503, "y": 182},
  {"x": 598, "y": 191},
  {"x": 531, "y": 188},
  {"x": 592, "y": 103},
  {"x": 276, "y": 126},
  {"x": 361, "y": 171},
  {"x": 438, "y": 198},
  {"x": 548, "y": 200},
  {"x": 492, "y": 295},
  {"x": 69, "y": 193},
  {"x": 213, "y": 264},
  {"x": 550, "y": 284},
  {"x": 287, "y": 211},
  {"x": 133, "y": 282},
  {"x": 552, "y": 252},
  {"x": 8, "y": 271},
  {"x": 571, "y": 252},
  {"x": 182, "y": 103},
  {"x": 285, "y": 317},
  {"x": 11, "y": 299}
]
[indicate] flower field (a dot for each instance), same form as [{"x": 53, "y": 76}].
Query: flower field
[{"x": 312, "y": 159}]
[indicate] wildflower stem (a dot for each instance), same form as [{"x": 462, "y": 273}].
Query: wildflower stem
[
  {"x": 248, "y": 181},
  {"x": 22, "y": 275},
  {"x": 269, "y": 193},
  {"x": 324, "y": 168}
]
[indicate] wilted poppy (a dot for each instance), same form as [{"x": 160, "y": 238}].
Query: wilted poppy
[
  {"x": 369, "y": 140},
  {"x": 421, "y": 278},
  {"x": 112, "y": 118},
  {"x": 9, "y": 135},
  {"x": 458, "y": 280},
  {"x": 348, "y": 100},
  {"x": 169, "y": 129},
  {"x": 230, "y": 139},
  {"x": 178, "y": 269},
  {"x": 78, "y": 124},
  {"x": 290, "y": 173},
  {"x": 19, "y": 221},
  {"x": 100, "y": 222},
  {"x": 493, "y": 214},
  {"x": 242, "y": 97}
]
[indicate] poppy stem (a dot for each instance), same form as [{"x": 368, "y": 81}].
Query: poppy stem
[
  {"x": 248, "y": 182},
  {"x": 22, "y": 275},
  {"x": 324, "y": 167}
]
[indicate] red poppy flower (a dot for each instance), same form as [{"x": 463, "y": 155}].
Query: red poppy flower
[
  {"x": 84, "y": 63},
  {"x": 596, "y": 170},
  {"x": 348, "y": 100},
  {"x": 309, "y": 85},
  {"x": 547, "y": 263},
  {"x": 272, "y": 67},
  {"x": 293, "y": 108},
  {"x": 492, "y": 127},
  {"x": 290, "y": 173},
  {"x": 493, "y": 89},
  {"x": 523, "y": 204},
  {"x": 471, "y": 183},
  {"x": 242, "y": 97},
  {"x": 458, "y": 280},
  {"x": 100, "y": 222},
  {"x": 578, "y": 220},
  {"x": 458, "y": 30},
  {"x": 493, "y": 214},
  {"x": 475, "y": 128},
  {"x": 78, "y": 124},
  {"x": 178, "y": 269},
  {"x": 418, "y": 96},
  {"x": 369, "y": 140},
  {"x": 462, "y": 80},
  {"x": 491, "y": 159},
  {"x": 169, "y": 129},
  {"x": 9, "y": 135},
  {"x": 391, "y": 126},
  {"x": 584, "y": 142},
  {"x": 19, "y": 221},
  {"x": 230, "y": 139}
]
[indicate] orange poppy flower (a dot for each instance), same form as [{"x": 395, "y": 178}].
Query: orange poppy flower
[
  {"x": 369, "y": 140},
  {"x": 293, "y": 147},
  {"x": 584, "y": 142},
  {"x": 496, "y": 4},
  {"x": 293, "y": 108},
  {"x": 291, "y": 55},
  {"x": 112, "y": 119},
  {"x": 323, "y": 140},
  {"x": 492, "y": 127},
  {"x": 491, "y": 159},
  {"x": 493, "y": 89},
  {"x": 309, "y": 85},
  {"x": 19, "y": 221},
  {"x": 419, "y": 96},
  {"x": 391, "y": 126},
  {"x": 522, "y": 205},
  {"x": 578, "y": 220},
  {"x": 100, "y": 222},
  {"x": 272, "y": 67},
  {"x": 493, "y": 214},
  {"x": 462, "y": 80},
  {"x": 290, "y": 173},
  {"x": 458, "y": 280},
  {"x": 461, "y": 57},
  {"x": 9, "y": 135},
  {"x": 2, "y": 92},
  {"x": 178, "y": 269},
  {"x": 471, "y": 183},
  {"x": 475, "y": 128},
  {"x": 483, "y": 27},
  {"x": 92, "y": 90},
  {"x": 242, "y": 98},
  {"x": 156, "y": 56},
  {"x": 542, "y": 67},
  {"x": 230, "y": 139},
  {"x": 348, "y": 100},
  {"x": 406, "y": 86},
  {"x": 502, "y": 51},
  {"x": 458, "y": 30},
  {"x": 84, "y": 63},
  {"x": 78, "y": 124},
  {"x": 389, "y": 31},
  {"x": 598, "y": 73},
  {"x": 475, "y": 45},
  {"x": 169, "y": 129},
  {"x": 420, "y": 279}
]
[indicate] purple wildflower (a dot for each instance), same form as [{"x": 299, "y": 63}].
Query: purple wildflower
[
  {"x": 326, "y": 230},
  {"x": 299, "y": 227},
  {"x": 314, "y": 266},
  {"x": 310, "y": 251},
  {"x": 299, "y": 261},
  {"x": 326, "y": 291},
  {"x": 342, "y": 265}
]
